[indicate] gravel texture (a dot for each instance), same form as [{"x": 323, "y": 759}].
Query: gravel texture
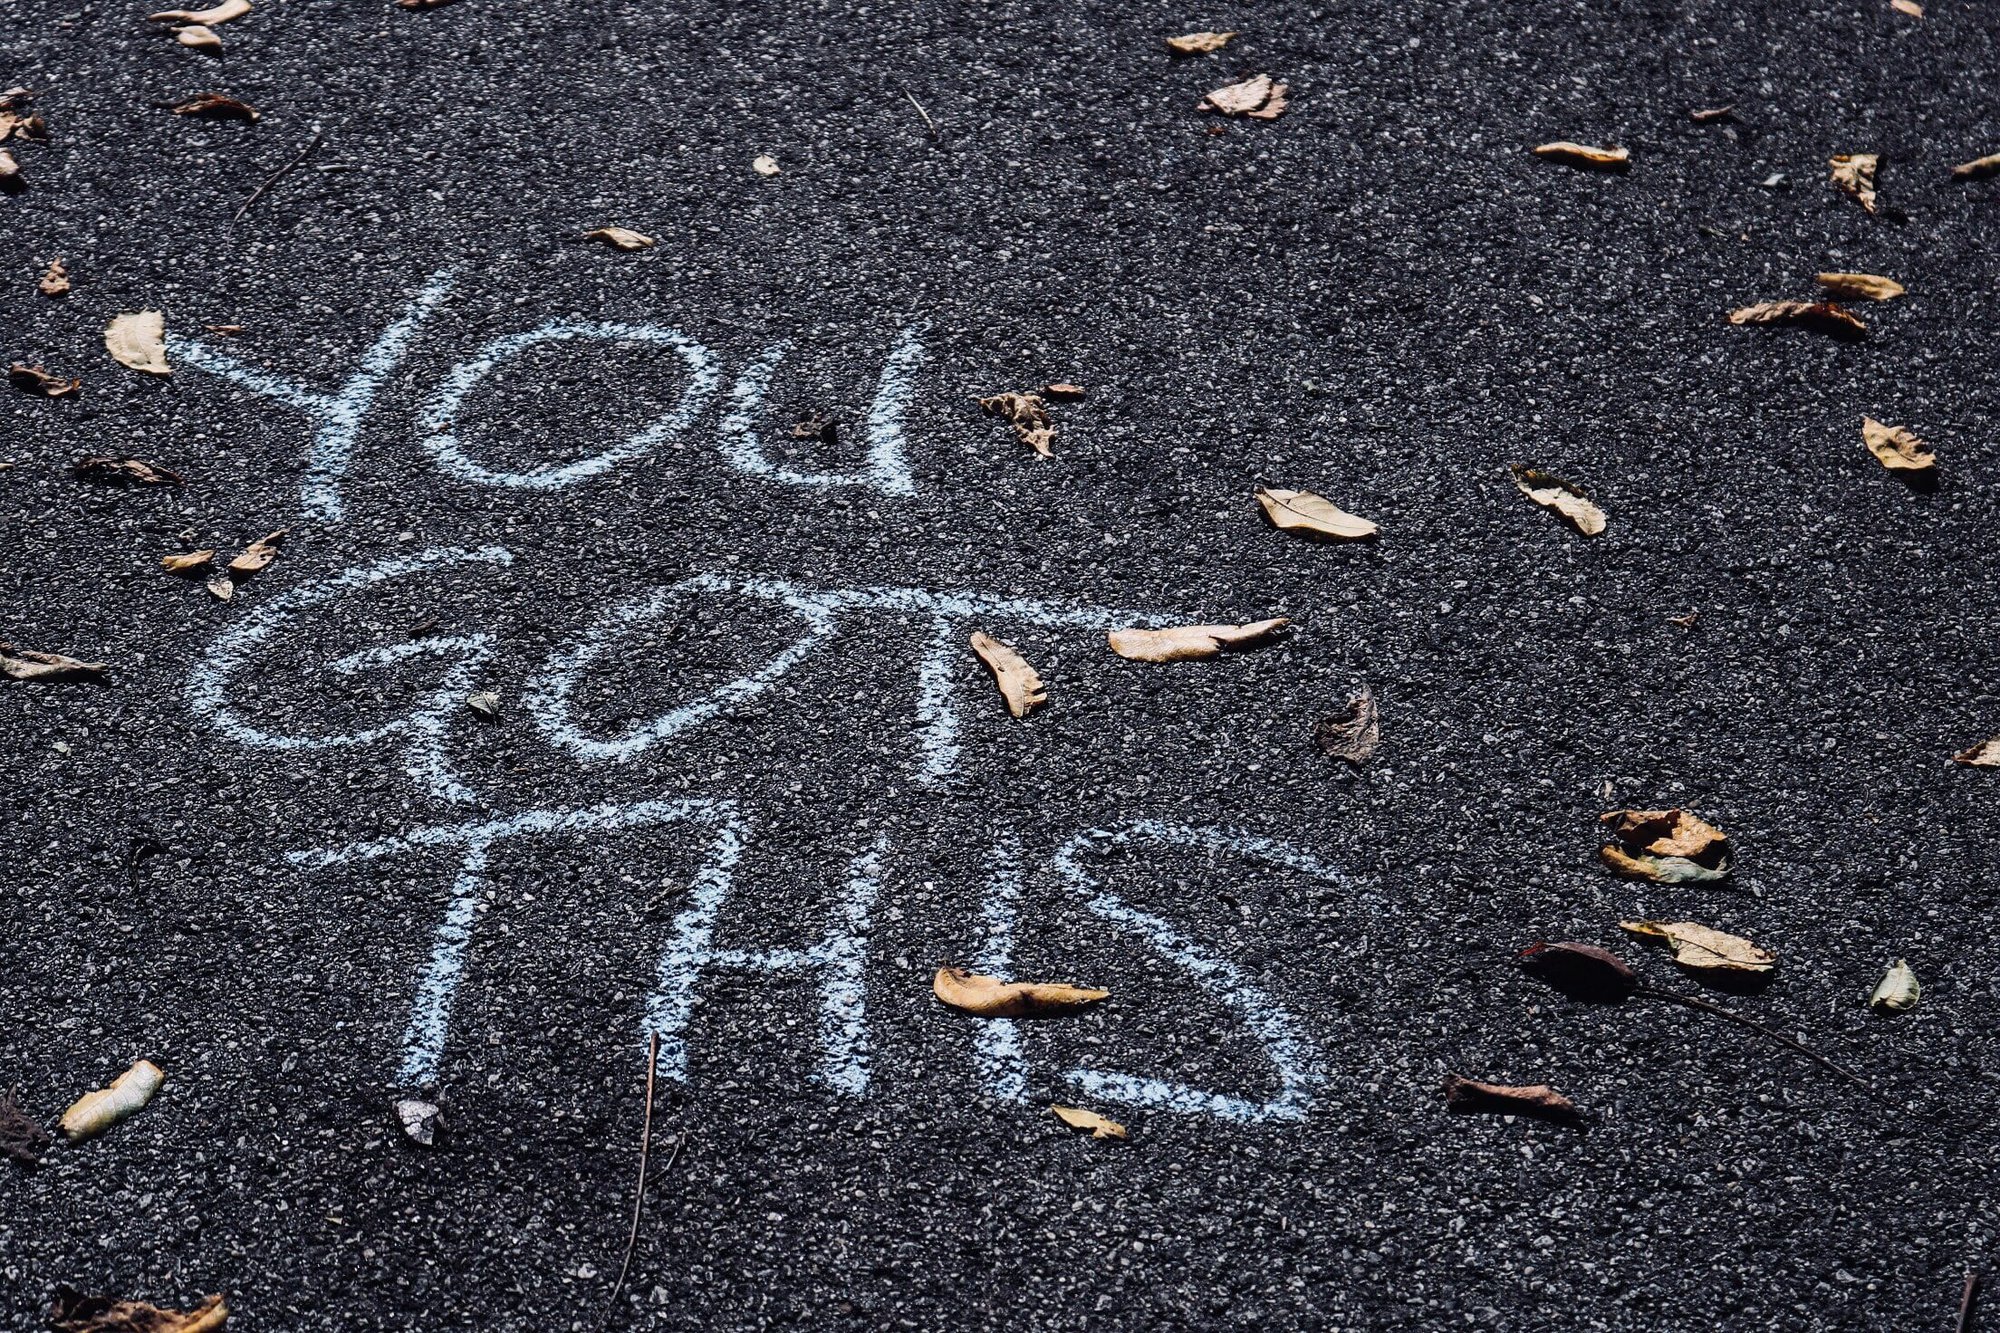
[{"x": 1382, "y": 296}]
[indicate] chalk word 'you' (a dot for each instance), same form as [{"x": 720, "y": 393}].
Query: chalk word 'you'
[
  {"x": 336, "y": 415},
  {"x": 834, "y": 962}
]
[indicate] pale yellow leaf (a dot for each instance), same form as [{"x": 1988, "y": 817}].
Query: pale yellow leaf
[
  {"x": 990, "y": 997},
  {"x": 188, "y": 562},
  {"x": 1184, "y": 642},
  {"x": 1099, "y": 1127},
  {"x": 1861, "y": 286},
  {"x": 1312, "y": 515},
  {"x": 198, "y": 38},
  {"x": 1704, "y": 948},
  {"x": 95, "y": 1112},
  {"x": 1910, "y": 7},
  {"x": 1552, "y": 492},
  {"x": 1898, "y": 991},
  {"x": 1019, "y": 685},
  {"x": 139, "y": 340},
  {"x": 1896, "y": 447},
  {"x": 1258, "y": 98},
  {"x": 1855, "y": 173},
  {"x": 1584, "y": 155},
  {"x": 620, "y": 238},
  {"x": 1198, "y": 43}
]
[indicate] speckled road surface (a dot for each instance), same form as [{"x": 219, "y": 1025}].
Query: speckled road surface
[{"x": 748, "y": 785}]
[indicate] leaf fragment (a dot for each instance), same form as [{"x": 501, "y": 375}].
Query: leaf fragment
[
  {"x": 115, "y": 471},
  {"x": 621, "y": 238},
  {"x": 1063, "y": 393},
  {"x": 1028, "y": 414},
  {"x": 486, "y": 703},
  {"x": 420, "y": 1121},
  {"x": 139, "y": 340},
  {"x": 1470, "y": 1096},
  {"x": 1099, "y": 1127},
  {"x": 1352, "y": 735},
  {"x": 20, "y": 1138},
  {"x": 27, "y": 664},
  {"x": 222, "y": 588},
  {"x": 990, "y": 997},
  {"x": 1581, "y": 971},
  {"x": 1704, "y": 948},
  {"x": 1256, "y": 98},
  {"x": 764, "y": 165},
  {"x": 1182, "y": 643},
  {"x": 1896, "y": 447},
  {"x": 1199, "y": 43},
  {"x": 188, "y": 562},
  {"x": 198, "y": 38},
  {"x": 1854, "y": 173},
  {"x": 95, "y": 1112},
  {"x": 256, "y": 556},
  {"x": 55, "y": 281},
  {"x": 1019, "y": 684},
  {"x": 1979, "y": 168},
  {"x": 1861, "y": 286},
  {"x": 1910, "y": 7},
  {"x": 1552, "y": 492},
  {"x": 11, "y": 179},
  {"x": 1897, "y": 992},
  {"x": 73, "y": 1312},
  {"x": 1583, "y": 155},
  {"x": 1986, "y": 754},
  {"x": 1666, "y": 846},
  {"x": 422, "y": 4},
  {"x": 1312, "y": 516},
  {"x": 1708, "y": 115},
  {"x": 226, "y": 12},
  {"x": 1825, "y": 317},
  {"x": 35, "y": 380},
  {"x": 217, "y": 106}
]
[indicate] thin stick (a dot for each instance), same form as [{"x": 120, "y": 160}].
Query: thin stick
[
  {"x": 280, "y": 174},
  {"x": 929, "y": 124},
  {"x": 639, "y": 1196},
  {"x": 1694, "y": 1003},
  {"x": 1968, "y": 1300}
]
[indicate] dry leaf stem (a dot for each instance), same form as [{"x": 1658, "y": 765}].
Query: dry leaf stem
[
  {"x": 312, "y": 146},
  {"x": 1968, "y": 1300},
  {"x": 639, "y": 1195},
  {"x": 1695, "y": 1002}
]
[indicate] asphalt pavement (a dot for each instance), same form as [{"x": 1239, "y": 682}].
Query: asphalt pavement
[{"x": 746, "y": 784}]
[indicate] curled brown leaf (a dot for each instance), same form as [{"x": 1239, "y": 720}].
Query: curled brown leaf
[
  {"x": 1861, "y": 286},
  {"x": 55, "y": 281},
  {"x": 27, "y": 664},
  {"x": 113, "y": 471},
  {"x": 1537, "y": 1099},
  {"x": 1028, "y": 415},
  {"x": 1986, "y": 754},
  {"x": 1198, "y": 43},
  {"x": 1019, "y": 683},
  {"x": 1584, "y": 155},
  {"x": 35, "y": 380},
  {"x": 1979, "y": 168},
  {"x": 1352, "y": 735},
  {"x": 1182, "y": 643},
  {"x": 990, "y": 997},
  {"x": 1553, "y": 493},
  {"x": 1854, "y": 173},
  {"x": 73, "y": 1312},
  {"x": 620, "y": 238},
  {"x": 1819, "y": 316},
  {"x": 217, "y": 106},
  {"x": 20, "y": 1138},
  {"x": 1666, "y": 846},
  {"x": 1256, "y": 98},
  {"x": 1896, "y": 447}
]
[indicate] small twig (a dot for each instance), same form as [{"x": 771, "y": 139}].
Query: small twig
[
  {"x": 1694, "y": 1002},
  {"x": 1969, "y": 1300},
  {"x": 258, "y": 193},
  {"x": 639, "y": 1196},
  {"x": 929, "y": 124}
]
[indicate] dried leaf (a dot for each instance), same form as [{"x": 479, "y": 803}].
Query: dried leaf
[
  {"x": 1028, "y": 415},
  {"x": 1581, "y": 971},
  {"x": 16, "y": 98},
  {"x": 485, "y": 703},
  {"x": 35, "y": 380},
  {"x": 1583, "y": 155},
  {"x": 256, "y": 556},
  {"x": 20, "y": 1138},
  {"x": 1099, "y": 1127},
  {"x": 226, "y": 330},
  {"x": 1354, "y": 734},
  {"x": 217, "y": 106},
  {"x": 422, "y": 4},
  {"x": 1896, "y": 448},
  {"x": 1063, "y": 393},
  {"x": 1979, "y": 168},
  {"x": 95, "y": 1112},
  {"x": 1537, "y": 1099},
  {"x": 1820, "y": 316},
  {"x": 817, "y": 427},
  {"x": 1666, "y": 847},
  {"x": 11, "y": 179},
  {"x": 1019, "y": 685},
  {"x": 1855, "y": 173},
  {"x": 1198, "y": 43},
  {"x": 621, "y": 238},
  {"x": 188, "y": 562},
  {"x": 1312, "y": 515},
  {"x": 1708, "y": 115},
  {"x": 1552, "y": 492},
  {"x": 420, "y": 1121},
  {"x": 1703, "y": 948},
  {"x": 1183, "y": 643},
  {"x": 1910, "y": 7},
  {"x": 990, "y": 997},
  {"x": 139, "y": 341},
  {"x": 221, "y": 588},
  {"x": 74, "y": 1312},
  {"x": 198, "y": 38},
  {"x": 1897, "y": 992},
  {"x": 123, "y": 472},
  {"x": 27, "y": 664},
  {"x": 1258, "y": 98},
  {"x": 55, "y": 282},
  {"x": 1986, "y": 754},
  {"x": 225, "y": 12},
  {"x": 1861, "y": 286},
  {"x": 764, "y": 165}
]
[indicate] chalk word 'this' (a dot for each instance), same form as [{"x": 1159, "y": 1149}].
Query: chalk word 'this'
[
  {"x": 337, "y": 414},
  {"x": 835, "y": 962},
  {"x": 422, "y": 731}
]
